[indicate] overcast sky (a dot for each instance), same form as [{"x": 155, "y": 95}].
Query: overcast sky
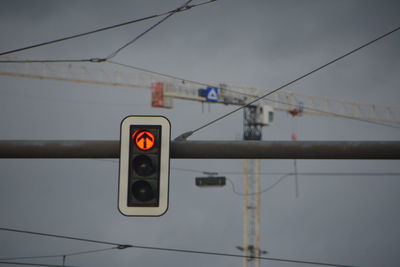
[{"x": 350, "y": 220}]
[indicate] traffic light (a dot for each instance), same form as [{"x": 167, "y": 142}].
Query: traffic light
[{"x": 144, "y": 166}]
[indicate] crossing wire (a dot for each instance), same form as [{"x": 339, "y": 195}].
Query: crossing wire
[
  {"x": 148, "y": 30},
  {"x": 120, "y": 246},
  {"x": 259, "y": 192},
  {"x": 185, "y": 135},
  {"x": 61, "y": 236},
  {"x": 187, "y": 7},
  {"x": 292, "y": 173},
  {"x": 58, "y": 255},
  {"x": 32, "y": 264}
]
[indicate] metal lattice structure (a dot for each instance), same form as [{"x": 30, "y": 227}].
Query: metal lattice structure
[{"x": 175, "y": 88}]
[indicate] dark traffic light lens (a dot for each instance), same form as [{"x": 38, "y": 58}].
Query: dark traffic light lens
[
  {"x": 142, "y": 191},
  {"x": 143, "y": 165}
]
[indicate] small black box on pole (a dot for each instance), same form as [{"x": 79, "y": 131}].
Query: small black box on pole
[{"x": 217, "y": 181}]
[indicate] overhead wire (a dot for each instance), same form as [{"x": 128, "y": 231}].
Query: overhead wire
[
  {"x": 240, "y": 256},
  {"x": 33, "y": 264},
  {"x": 113, "y": 54},
  {"x": 260, "y": 192},
  {"x": 185, "y": 135},
  {"x": 104, "y": 29},
  {"x": 58, "y": 255},
  {"x": 299, "y": 173},
  {"x": 51, "y": 60},
  {"x": 158, "y": 248},
  {"x": 62, "y": 237},
  {"x": 183, "y": 80},
  {"x": 284, "y": 176},
  {"x": 165, "y": 249},
  {"x": 167, "y": 15},
  {"x": 279, "y": 173},
  {"x": 184, "y": 7}
]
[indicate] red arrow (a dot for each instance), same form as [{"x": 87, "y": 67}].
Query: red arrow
[{"x": 145, "y": 137}]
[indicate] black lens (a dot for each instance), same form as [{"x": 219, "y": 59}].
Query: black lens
[
  {"x": 143, "y": 165},
  {"x": 142, "y": 191}
]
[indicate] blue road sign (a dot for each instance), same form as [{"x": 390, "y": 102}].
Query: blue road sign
[{"x": 212, "y": 94}]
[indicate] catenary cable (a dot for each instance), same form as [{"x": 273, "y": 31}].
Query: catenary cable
[
  {"x": 52, "y": 60},
  {"x": 170, "y": 13},
  {"x": 280, "y": 173},
  {"x": 185, "y": 6},
  {"x": 183, "y": 80},
  {"x": 104, "y": 29},
  {"x": 171, "y": 250},
  {"x": 33, "y": 264},
  {"x": 58, "y": 255},
  {"x": 196, "y": 82},
  {"x": 148, "y": 30},
  {"x": 62, "y": 237},
  {"x": 292, "y": 173},
  {"x": 185, "y": 135},
  {"x": 241, "y": 256},
  {"x": 260, "y": 192}
]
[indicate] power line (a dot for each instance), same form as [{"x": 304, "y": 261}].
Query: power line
[
  {"x": 52, "y": 60},
  {"x": 299, "y": 173},
  {"x": 260, "y": 192},
  {"x": 148, "y": 30},
  {"x": 33, "y": 264},
  {"x": 240, "y": 256},
  {"x": 185, "y": 7},
  {"x": 157, "y": 73},
  {"x": 183, "y": 80},
  {"x": 63, "y": 237},
  {"x": 281, "y": 173},
  {"x": 58, "y": 255},
  {"x": 120, "y": 246},
  {"x": 98, "y": 60},
  {"x": 185, "y": 135},
  {"x": 104, "y": 29}
]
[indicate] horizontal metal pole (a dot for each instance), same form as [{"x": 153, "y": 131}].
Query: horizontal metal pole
[{"x": 210, "y": 149}]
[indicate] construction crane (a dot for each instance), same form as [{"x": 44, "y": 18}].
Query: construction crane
[{"x": 165, "y": 88}]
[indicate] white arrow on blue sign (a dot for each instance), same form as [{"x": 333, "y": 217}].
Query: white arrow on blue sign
[{"x": 212, "y": 94}]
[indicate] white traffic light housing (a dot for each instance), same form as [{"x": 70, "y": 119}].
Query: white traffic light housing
[{"x": 144, "y": 166}]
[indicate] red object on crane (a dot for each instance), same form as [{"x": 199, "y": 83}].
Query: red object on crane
[
  {"x": 294, "y": 112},
  {"x": 297, "y": 111},
  {"x": 157, "y": 95}
]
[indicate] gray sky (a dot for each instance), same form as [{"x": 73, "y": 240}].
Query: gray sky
[{"x": 344, "y": 220}]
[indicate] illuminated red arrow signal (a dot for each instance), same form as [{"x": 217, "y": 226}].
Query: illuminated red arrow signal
[{"x": 144, "y": 140}]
